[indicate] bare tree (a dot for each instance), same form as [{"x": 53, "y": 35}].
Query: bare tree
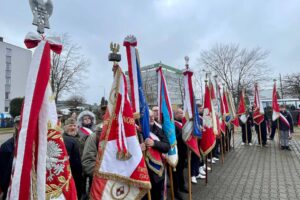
[
  {"x": 68, "y": 68},
  {"x": 76, "y": 100},
  {"x": 291, "y": 84},
  {"x": 237, "y": 67}
]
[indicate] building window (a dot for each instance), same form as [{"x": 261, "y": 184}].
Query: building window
[
  {"x": 6, "y": 109},
  {"x": 7, "y": 81},
  {"x": 6, "y": 95},
  {"x": 8, "y": 59},
  {"x": 8, "y": 51}
]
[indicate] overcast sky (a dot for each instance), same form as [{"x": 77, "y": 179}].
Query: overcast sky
[{"x": 166, "y": 30}]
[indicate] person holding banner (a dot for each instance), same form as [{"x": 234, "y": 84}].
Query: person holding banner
[
  {"x": 158, "y": 141},
  {"x": 263, "y": 129},
  {"x": 246, "y": 122},
  {"x": 285, "y": 125}
]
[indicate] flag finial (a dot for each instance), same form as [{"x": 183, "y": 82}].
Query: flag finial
[
  {"x": 42, "y": 11},
  {"x": 186, "y": 58},
  {"x": 114, "y": 56}
]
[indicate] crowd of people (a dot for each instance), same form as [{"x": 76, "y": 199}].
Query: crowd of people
[{"x": 81, "y": 137}]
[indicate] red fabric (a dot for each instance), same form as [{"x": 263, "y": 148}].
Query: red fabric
[
  {"x": 57, "y": 48},
  {"x": 235, "y": 122},
  {"x": 242, "y": 105},
  {"x": 226, "y": 107},
  {"x": 130, "y": 74},
  {"x": 84, "y": 131},
  {"x": 63, "y": 181},
  {"x": 257, "y": 116},
  {"x": 97, "y": 188},
  {"x": 208, "y": 138},
  {"x": 275, "y": 105},
  {"x": 32, "y": 133}
]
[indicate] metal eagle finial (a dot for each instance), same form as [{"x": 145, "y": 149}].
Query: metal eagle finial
[{"x": 42, "y": 11}]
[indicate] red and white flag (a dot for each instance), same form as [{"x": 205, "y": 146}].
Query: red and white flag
[
  {"x": 189, "y": 106},
  {"x": 208, "y": 139},
  {"x": 41, "y": 167},
  {"x": 234, "y": 118},
  {"x": 258, "y": 112},
  {"x": 120, "y": 171},
  {"x": 242, "y": 108},
  {"x": 130, "y": 43},
  {"x": 275, "y": 106},
  {"x": 215, "y": 109}
]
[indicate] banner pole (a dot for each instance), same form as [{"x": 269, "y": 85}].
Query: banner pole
[
  {"x": 278, "y": 132},
  {"x": 233, "y": 137},
  {"x": 171, "y": 183},
  {"x": 260, "y": 135},
  {"x": 189, "y": 174},
  {"x": 206, "y": 171},
  {"x": 222, "y": 149}
]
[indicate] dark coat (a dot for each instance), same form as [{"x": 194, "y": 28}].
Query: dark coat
[
  {"x": 282, "y": 125},
  {"x": 72, "y": 147},
  {"x": 249, "y": 123},
  {"x": 6, "y": 160},
  {"x": 163, "y": 146}
]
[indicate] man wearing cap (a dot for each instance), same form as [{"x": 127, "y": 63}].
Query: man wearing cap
[{"x": 6, "y": 158}]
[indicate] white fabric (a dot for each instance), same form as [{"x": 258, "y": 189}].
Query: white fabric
[
  {"x": 124, "y": 168},
  {"x": 35, "y": 36},
  {"x": 30, "y": 86},
  {"x": 135, "y": 80},
  {"x": 187, "y": 100},
  {"x": 108, "y": 191}
]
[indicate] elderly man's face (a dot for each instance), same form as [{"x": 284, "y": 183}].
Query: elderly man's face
[
  {"x": 71, "y": 129},
  {"x": 155, "y": 112},
  {"x": 151, "y": 118},
  {"x": 179, "y": 114}
]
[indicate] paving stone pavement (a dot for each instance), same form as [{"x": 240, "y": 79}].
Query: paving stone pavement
[{"x": 252, "y": 172}]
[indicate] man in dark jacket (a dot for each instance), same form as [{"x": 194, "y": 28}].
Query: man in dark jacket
[
  {"x": 178, "y": 175},
  {"x": 162, "y": 146},
  {"x": 285, "y": 128},
  {"x": 246, "y": 128},
  {"x": 6, "y": 159},
  {"x": 75, "y": 162},
  {"x": 263, "y": 130}
]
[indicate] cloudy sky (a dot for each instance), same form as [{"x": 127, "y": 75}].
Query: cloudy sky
[{"x": 166, "y": 30}]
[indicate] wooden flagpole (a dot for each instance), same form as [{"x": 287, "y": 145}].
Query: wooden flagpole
[
  {"x": 189, "y": 174},
  {"x": 278, "y": 132},
  {"x": 246, "y": 126},
  {"x": 222, "y": 149},
  {"x": 211, "y": 160},
  {"x": 171, "y": 182},
  {"x": 228, "y": 141},
  {"x": 260, "y": 135},
  {"x": 233, "y": 138},
  {"x": 206, "y": 171}
]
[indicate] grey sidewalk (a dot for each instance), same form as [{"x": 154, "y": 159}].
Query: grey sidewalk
[{"x": 252, "y": 172}]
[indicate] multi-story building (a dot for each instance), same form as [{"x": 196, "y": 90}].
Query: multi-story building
[
  {"x": 173, "y": 77},
  {"x": 14, "y": 66}
]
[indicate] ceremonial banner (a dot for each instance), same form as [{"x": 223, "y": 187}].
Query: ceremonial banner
[
  {"x": 258, "y": 112},
  {"x": 208, "y": 140},
  {"x": 242, "y": 108},
  {"x": 120, "y": 171},
  {"x": 275, "y": 106},
  {"x": 153, "y": 157},
  {"x": 139, "y": 104},
  {"x": 225, "y": 111},
  {"x": 215, "y": 109},
  {"x": 191, "y": 122},
  {"x": 222, "y": 110},
  {"x": 166, "y": 117},
  {"x": 41, "y": 166},
  {"x": 232, "y": 111}
]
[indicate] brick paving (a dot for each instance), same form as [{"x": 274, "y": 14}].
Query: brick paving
[{"x": 252, "y": 172}]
